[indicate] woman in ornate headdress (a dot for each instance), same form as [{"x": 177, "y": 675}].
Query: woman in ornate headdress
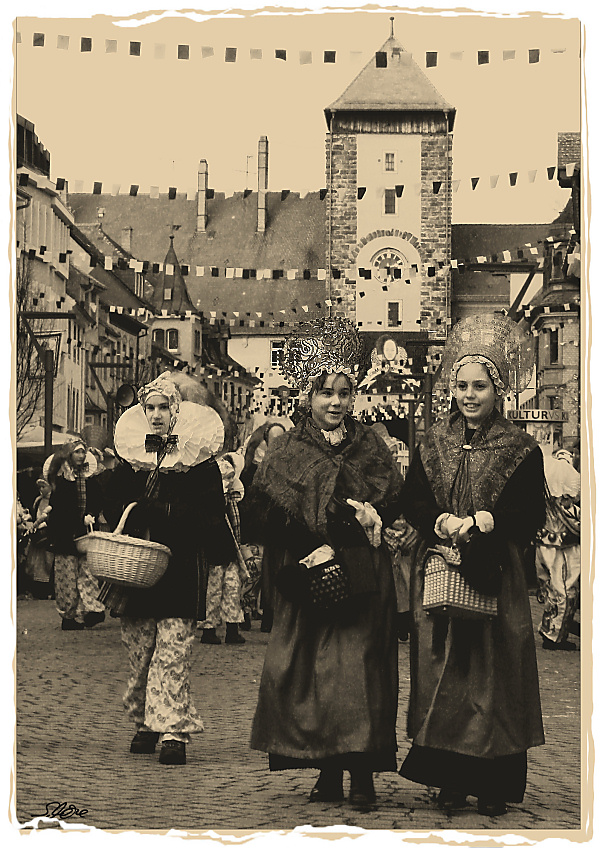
[
  {"x": 75, "y": 504},
  {"x": 477, "y": 479},
  {"x": 172, "y": 476},
  {"x": 329, "y": 688}
]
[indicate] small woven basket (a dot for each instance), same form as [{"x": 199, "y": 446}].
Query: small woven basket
[
  {"x": 120, "y": 559},
  {"x": 328, "y": 584},
  {"x": 445, "y": 591}
]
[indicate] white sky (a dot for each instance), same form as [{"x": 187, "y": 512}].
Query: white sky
[{"x": 121, "y": 119}]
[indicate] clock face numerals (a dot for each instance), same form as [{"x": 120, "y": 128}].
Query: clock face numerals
[{"x": 384, "y": 263}]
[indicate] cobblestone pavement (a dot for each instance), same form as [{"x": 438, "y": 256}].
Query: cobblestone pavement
[{"x": 73, "y": 740}]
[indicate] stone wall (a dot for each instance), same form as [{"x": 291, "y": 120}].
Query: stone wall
[
  {"x": 435, "y": 236},
  {"x": 343, "y": 184},
  {"x": 436, "y": 211}
]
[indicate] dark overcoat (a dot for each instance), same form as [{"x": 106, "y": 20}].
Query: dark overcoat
[{"x": 187, "y": 514}]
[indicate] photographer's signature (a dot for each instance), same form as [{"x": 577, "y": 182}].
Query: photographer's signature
[{"x": 64, "y": 811}]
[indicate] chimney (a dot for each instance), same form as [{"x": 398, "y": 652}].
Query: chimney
[
  {"x": 202, "y": 181},
  {"x": 262, "y": 182},
  {"x": 126, "y": 239}
]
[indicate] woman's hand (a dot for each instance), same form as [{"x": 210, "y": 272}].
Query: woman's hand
[
  {"x": 446, "y": 525},
  {"x": 369, "y": 519},
  {"x": 466, "y": 529}
]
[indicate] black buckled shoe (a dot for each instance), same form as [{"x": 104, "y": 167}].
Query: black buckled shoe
[
  {"x": 72, "y": 626},
  {"x": 449, "y": 800},
  {"x": 328, "y": 788},
  {"x": 172, "y": 752},
  {"x": 362, "y": 790},
  {"x": 92, "y": 618},
  {"x": 232, "y": 634},
  {"x": 491, "y": 808},
  {"x": 144, "y": 743},
  {"x": 209, "y": 636}
]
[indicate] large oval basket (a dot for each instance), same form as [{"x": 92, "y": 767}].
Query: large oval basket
[{"x": 124, "y": 560}]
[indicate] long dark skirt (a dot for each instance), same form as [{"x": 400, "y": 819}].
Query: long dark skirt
[
  {"x": 329, "y": 687},
  {"x": 497, "y": 778}
]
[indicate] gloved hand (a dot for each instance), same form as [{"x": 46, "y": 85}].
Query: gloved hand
[
  {"x": 484, "y": 521},
  {"x": 369, "y": 519},
  {"x": 466, "y": 528},
  {"x": 446, "y": 525}
]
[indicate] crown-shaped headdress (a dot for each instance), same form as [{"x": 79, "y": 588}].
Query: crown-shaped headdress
[
  {"x": 328, "y": 344},
  {"x": 497, "y": 338}
]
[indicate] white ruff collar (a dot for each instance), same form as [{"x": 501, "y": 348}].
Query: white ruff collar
[
  {"x": 199, "y": 430},
  {"x": 336, "y": 436},
  {"x": 66, "y": 471}
]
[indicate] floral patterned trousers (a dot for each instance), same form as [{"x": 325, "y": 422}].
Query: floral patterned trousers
[
  {"x": 223, "y": 601},
  {"x": 158, "y": 694},
  {"x": 75, "y": 588},
  {"x": 252, "y": 553},
  {"x": 558, "y": 572}
]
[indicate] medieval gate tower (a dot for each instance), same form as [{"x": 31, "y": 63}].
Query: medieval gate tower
[{"x": 389, "y": 167}]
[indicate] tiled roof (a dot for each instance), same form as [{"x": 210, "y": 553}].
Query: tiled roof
[
  {"x": 475, "y": 240},
  {"x": 295, "y": 238},
  {"x": 117, "y": 291},
  {"x": 400, "y": 86},
  {"x": 180, "y": 300}
]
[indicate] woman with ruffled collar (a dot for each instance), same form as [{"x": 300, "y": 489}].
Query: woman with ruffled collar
[
  {"x": 329, "y": 688},
  {"x": 478, "y": 480},
  {"x": 75, "y": 505},
  {"x": 166, "y": 448}
]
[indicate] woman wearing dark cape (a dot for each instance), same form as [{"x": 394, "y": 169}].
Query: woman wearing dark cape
[
  {"x": 329, "y": 689},
  {"x": 477, "y": 479}
]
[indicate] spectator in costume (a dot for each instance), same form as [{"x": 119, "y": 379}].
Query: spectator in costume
[
  {"x": 558, "y": 552},
  {"x": 75, "y": 506},
  {"x": 223, "y": 597}
]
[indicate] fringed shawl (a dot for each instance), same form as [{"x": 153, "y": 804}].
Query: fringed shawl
[
  {"x": 301, "y": 470},
  {"x": 485, "y": 464}
]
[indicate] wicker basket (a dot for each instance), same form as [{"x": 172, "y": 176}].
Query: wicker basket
[
  {"x": 445, "y": 591},
  {"x": 124, "y": 560}
]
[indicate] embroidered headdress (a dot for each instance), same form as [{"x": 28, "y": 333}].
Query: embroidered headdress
[
  {"x": 495, "y": 341},
  {"x": 328, "y": 344}
]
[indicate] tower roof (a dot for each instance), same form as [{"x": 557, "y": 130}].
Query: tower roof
[
  {"x": 180, "y": 299},
  {"x": 391, "y": 81}
]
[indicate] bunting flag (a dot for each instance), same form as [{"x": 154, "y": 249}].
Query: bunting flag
[
  {"x": 155, "y": 192},
  {"x": 185, "y": 53}
]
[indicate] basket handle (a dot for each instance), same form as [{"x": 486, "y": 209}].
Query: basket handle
[{"x": 124, "y": 517}]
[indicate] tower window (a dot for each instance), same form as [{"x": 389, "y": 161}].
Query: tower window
[
  {"x": 390, "y": 202},
  {"x": 554, "y": 346},
  {"x": 390, "y": 161},
  {"x": 394, "y": 314}
]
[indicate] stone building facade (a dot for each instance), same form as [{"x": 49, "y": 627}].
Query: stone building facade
[{"x": 388, "y": 171}]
